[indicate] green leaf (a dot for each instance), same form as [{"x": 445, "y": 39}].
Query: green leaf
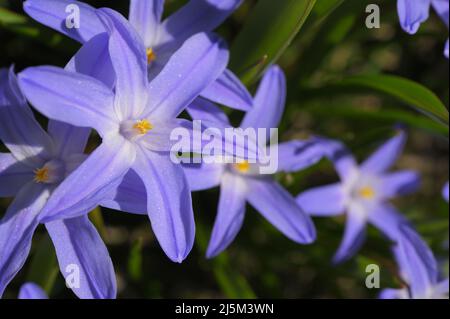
[
  {"x": 270, "y": 29},
  {"x": 96, "y": 217},
  {"x": 321, "y": 12},
  {"x": 413, "y": 94},
  {"x": 330, "y": 24},
  {"x": 135, "y": 260},
  {"x": 386, "y": 116}
]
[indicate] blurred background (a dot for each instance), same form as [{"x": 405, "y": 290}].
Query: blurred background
[{"x": 328, "y": 64}]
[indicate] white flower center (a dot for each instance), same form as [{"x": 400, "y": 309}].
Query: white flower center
[{"x": 361, "y": 191}]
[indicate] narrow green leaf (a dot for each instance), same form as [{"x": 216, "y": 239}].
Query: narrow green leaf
[
  {"x": 270, "y": 29},
  {"x": 384, "y": 116},
  {"x": 321, "y": 11},
  {"x": 135, "y": 260},
  {"x": 329, "y": 24},
  {"x": 96, "y": 218},
  {"x": 413, "y": 94}
]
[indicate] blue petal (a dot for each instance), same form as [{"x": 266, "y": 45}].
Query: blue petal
[
  {"x": 354, "y": 236},
  {"x": 53, "y": 13},
  {"x": 269, "y": 102},
  {"x": 83, "y": 255},
  {"x": 230, "y": 214},
  {"x": 212, "y": 117},
  {"x": 445, "y": 192},
  {"x": 297, "y": 155},
  {"x": 70, "y": 97},
  {"x": 340, "y": 155},
  {"x": 412, "y": 13},
  {"x": 19, "y": 130},
  {"x": 442, "y": 9},
  {"x": 393, "y": 294},
  {"x": 93, "y": 59},
  {"x": 281, "y": 210},
  {"x": 418, "y": 265},
  {"x": 388, "y": 220},
  {"x": 203, "y": 176},
  {"x": 386, "y": 155},
  {"x": 442, "y": 288},
  {"x": 203, "y": 110},
  {"x": 323, "y": 201},
  {"x": 30, "y": 290},
  {"x": 129, "y": 59},
  {"x": 130, "y": 196},
  {"x": 17, "y": 229},
  {"x": 145, "y": 16},
  {"x": 89, "y": 184},
  {"x": 169, "y": 203},
  {"x": 229, "y": 91},
  {"x": 13, "y": 175},
  {"x": 195, "y": 17},
  {"x": 399, "y": 183},
  {"x": 190, "y": 70}
]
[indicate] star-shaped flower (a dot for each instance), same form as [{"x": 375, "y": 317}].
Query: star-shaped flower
[
  {"x": 161, "y": 38},
  {"x": 363, "y": 193},
  {"x": 38, "y": 164}
]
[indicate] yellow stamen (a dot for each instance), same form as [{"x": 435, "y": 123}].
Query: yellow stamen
[
  {"x": 243, "y": 167},
  {"x": 151, "y": 55},
  {"x": 367, "y": 192},
  {"x": 41, "y": 175},
  {"x": 143, "y": 127}
]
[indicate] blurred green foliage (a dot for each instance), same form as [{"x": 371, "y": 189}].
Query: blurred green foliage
[{"x": 345, "y": 82}]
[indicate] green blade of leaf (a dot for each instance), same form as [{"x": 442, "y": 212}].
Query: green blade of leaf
[
  {"x": 269, "y": 31},
  {"x": 321, "y": 11},
  {"x": 384, "y": 116},
  {"x": 96, "y": 217},
  {"x": 135, "y": 260},
  {"x": 330, "y": 23},
  {"x": 407, "y": 91}
]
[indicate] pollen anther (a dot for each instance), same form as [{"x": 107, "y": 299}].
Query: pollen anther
[
  {"x": 41, "y": 175},
  {"x": 143, "y": 127},
  {"x": 151, "y": 55},
  {"x": 243, "y": 167}
]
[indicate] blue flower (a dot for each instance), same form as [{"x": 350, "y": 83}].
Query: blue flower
[
  {"x": 243, "y": 182},
  {"x": 161, "y": 38},
  {"x": 38, "y": 164},
  {"x": 362, "y": 194},
  {"x": 135, "y": 121}
]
